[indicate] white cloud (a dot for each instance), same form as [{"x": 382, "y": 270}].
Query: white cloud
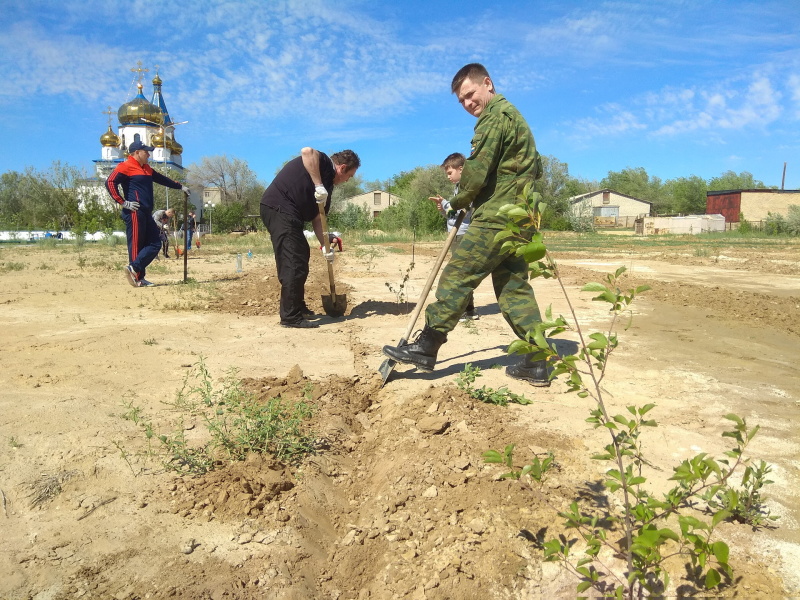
[
  {"x": 229, "y": 62},
  {"x": 793, "y": 87},
  {"x": 617, "y": 122},
  {"x": 729, "y": 105}
]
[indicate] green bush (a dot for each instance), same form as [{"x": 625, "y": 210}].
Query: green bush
[
  {"x": 775, "y": 224},
  {"x": 352, "y": 218},
  {"x": 793, "y": 220}
]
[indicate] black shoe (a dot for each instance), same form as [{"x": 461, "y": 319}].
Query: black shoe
[
  {"x": 421, "y": 352},
  {"x": 309, "y": 314},
  {"x": 532, "y": 371},
  {"x": 302, "y": 324}
]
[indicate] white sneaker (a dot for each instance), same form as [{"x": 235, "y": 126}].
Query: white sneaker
[
  {"x": 132, "y": 276},
  {"x": 145, "y": 283}
]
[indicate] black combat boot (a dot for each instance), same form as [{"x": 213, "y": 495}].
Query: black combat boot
[
  {"x": 532, "y": 371},
  {"x": 421, "y": 352}
]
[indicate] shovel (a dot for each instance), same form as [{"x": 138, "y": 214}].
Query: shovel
[
  {"x": 335, "y": 304},
  {"x": 387, "y": 366}
]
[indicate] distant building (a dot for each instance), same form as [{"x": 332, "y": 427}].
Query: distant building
[
  {"x": 753, "y": 204},
  {"x": 375, "y": 201},
  {"x": 609, "y": 208}
]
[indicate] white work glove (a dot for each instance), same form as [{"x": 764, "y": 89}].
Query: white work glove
[
  {"x": 132, "y": 206},
  {"x": 184, "y": 189},
  {"x": 320, "y": 193},
  {"x": 328, "y": 255}
]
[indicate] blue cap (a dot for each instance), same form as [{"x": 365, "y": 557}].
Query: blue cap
[{"x": 138, "y": 145}]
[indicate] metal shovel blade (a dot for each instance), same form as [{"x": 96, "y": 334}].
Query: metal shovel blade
[
  {"x": 335, "y": 306},
  {"x": 387, "y": 366},
  {"x": 386, "y": 369}
]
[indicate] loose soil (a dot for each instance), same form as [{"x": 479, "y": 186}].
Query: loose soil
[{"x": 396, "y": 501}]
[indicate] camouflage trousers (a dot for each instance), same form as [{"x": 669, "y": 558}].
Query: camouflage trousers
[{"x": 477, "y": 257}]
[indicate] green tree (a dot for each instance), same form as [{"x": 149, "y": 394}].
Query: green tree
[
  {"x": 226, "y": 217},
  {"x": 353, "y": 217},
  {"x": 688, "y": 195},
  {"x": 414, "y": 211},
  {"x": 11, "y": 199},
  {"x": 161, "y": 194},
  {"x": 637, "y": 183},
  {"x": 729, "y": 180},
  {"x": 557, "y": 187}
]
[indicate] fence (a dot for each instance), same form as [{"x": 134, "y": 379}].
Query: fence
[{"x": 621, "y": 222}]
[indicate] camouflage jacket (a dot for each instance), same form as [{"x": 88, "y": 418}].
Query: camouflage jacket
[{"x": 502, "y": 161}]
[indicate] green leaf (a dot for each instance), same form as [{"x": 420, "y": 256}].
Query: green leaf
[
  {"x": 713, "y": 579},
  {"x": 594, "y": 287},
  {"x": 492, "y": 456},
  {"x": 516, "y": 212},
  {"x": 734, "y": 418},
  {"x": 519, "y": 347},
  {"x": 583, "y": 586},
  {"x": 720, "y": 550},
  {"x": 646, "y": 409},
  {"x": 719, "y": 517},
  {"x": 534, "y": 251}
]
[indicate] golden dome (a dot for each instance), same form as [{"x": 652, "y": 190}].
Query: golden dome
[
  {"x": 109, "y": 139},
  {"x": 175, "y": 147},
  {"x": 157, "y": 80},
  {"x": 140, "y": 112},
  {"x": 157, "y": 139}
]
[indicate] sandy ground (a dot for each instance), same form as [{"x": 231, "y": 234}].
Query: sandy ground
[{"x": 396, "y": 502}]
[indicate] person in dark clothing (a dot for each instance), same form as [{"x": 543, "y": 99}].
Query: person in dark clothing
[
  {"x": 189, "y": 227},
  {"x": 290, "y": 201},
  {"x": 136, "y": 178},
  {"x": 162, "y": 219}
]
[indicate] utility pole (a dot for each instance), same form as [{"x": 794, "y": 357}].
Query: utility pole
[{"x": 783, "y": 179}]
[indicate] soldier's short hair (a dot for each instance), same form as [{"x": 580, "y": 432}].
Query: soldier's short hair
[
  {"x": 348, "y": 158},
  {"x": 473, "y": 71},
  {"x": 455, "y": 160}
]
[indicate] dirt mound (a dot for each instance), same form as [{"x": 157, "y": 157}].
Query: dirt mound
[
  {"x": 259, "y": 294},
  {"x": 396, "y": 501}
]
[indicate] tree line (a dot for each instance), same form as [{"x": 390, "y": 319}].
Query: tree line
[{"x": 56, "y": 198}]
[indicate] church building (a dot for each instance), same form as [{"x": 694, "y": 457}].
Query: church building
[
  {"x": 149, "y": 122},
  {"x": 139, "y": 119}
]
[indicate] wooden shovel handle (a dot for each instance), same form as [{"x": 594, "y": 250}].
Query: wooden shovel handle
[
  {"x": 326, "y": 244},
  {"x": 429, "y": 283}
]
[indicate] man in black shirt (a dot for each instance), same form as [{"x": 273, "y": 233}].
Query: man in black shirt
[{"x": 288, "y": 203}]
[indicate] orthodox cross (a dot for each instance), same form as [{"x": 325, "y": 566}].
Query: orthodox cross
[
  {"x": 139, "y": 71},
  {"x": 108, "y": 112}
]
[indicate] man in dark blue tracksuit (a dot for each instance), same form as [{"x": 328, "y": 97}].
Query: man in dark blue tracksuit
[{"x": 136, "y": 178}]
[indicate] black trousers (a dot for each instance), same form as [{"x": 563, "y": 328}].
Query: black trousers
[{"x": 292, "y": 254}]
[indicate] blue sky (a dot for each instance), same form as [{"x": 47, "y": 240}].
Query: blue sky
[{"x": 679, "y": 88}]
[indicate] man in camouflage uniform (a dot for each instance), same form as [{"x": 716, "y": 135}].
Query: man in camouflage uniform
[{"x": 503, "y": 160}]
